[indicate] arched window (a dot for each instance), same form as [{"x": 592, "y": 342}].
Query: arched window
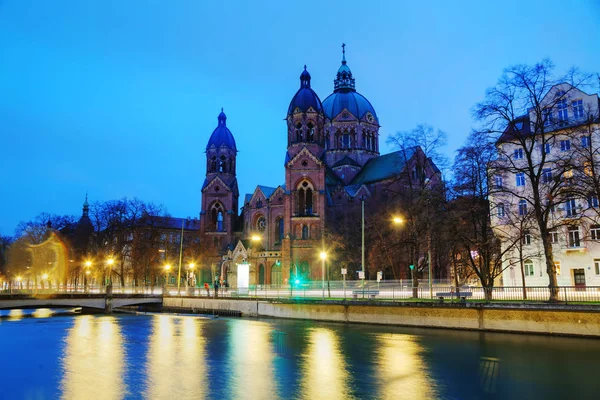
[
  {"x": 326, "y": 144},
  {"x": 261, "y": 224},
  {"x": 223, "y": 164},
  {"x": 305, "y": 199},
  {"x": 311, "y": 132},
  {"x": 529, "y": 269},
  {"x": 298, "y": 132},
  {"x": 305, "y": 234},
  {"x": 346, "y": 140},
  {"x": 230, "y": 165},
  {"x": 279, "y": 230},
  {"x": 216, "y": 214},
  {"x": 213, "y": 164}
]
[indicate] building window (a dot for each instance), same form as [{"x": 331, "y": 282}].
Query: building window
[
  {"x": 498, "y": 181},
  {"x": 597, "y": 266},
  {"x": 565, "y": 145},
  {"x": 518, "y": 154},
  {"x": 500, "y": 210},
  {"x": 595, "y": 232},
  {"x": 553, "y": 236},
  {"x": 577, "y": 108},
  {"x": 280, "y": 230},
  {"x": 261, "y": 224},
  {"x": 259, "y": 203},
  {"x": 587, "y": 168},
  {"x": 522, "y": 207},
  {"x": 574, "y": 240},
  {"x": 545, "y": 148},
  {"x": 298, "y": 132},
  {"x": 563, "y": 114},
  {"x": 526, "y": 239},
  {"x": 593, "y": 201},
  {"x": 557, "y": 267},
  {"x": 547, "y": 175},
  {"x": 305, "y": 235},
  {"x": 571, "y": 207},
  {"x": 520, "y": 179},
  {"x": 529, "y": 270},
  {"x": 346, "y": 141},
  {"x": 311, "y": 132},
  {"x": 547, "y": 116},
  {"x": 585, "y": 142},
  {"x": 213, "y": 164},
  {"x": 305, "y": 199},
  {"x": 216, "y": 214}
]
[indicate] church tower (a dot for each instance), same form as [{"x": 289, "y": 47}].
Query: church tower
[
  {"x": 305, "y": 170},
  {"x": 219, "y": 209}
]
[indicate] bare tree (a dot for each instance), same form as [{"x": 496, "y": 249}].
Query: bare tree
[{"x": 518, "y": 113}]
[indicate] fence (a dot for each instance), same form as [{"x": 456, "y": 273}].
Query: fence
[{"x": 339, "y": 290}]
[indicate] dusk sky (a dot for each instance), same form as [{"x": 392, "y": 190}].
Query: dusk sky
[{"x": 119, "y": 98}]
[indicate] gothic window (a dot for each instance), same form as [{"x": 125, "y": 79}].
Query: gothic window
[
  {"x": 311, "y": 132},
  {"x": 216, "y": 214},
  {"x": 305, "y": 235},
  {"x": 365, "y": 143},
  {"x": 261, "y": 224},
  {"x": 298, "y": 132},
  {"x": 346, "y": 140},
  {"x": 326, "y": 144},
  {"x": 259, "y": 203},
  {"x": 223, "y": 164},
  {"x": 213, "y": 164},
  {"x": 230, "y": 165},
  {"x": 305, "y": 199},
  {"x": 279, "y": 230}
]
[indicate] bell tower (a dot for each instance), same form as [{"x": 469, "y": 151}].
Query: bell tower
[{"x": 218, "y": 214}]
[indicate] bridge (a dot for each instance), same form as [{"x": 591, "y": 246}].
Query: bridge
[{"x": 97, "y": 301}]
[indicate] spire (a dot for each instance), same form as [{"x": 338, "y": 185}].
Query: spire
[
  {"x": 305, "y": 78},
  {"x": 222, "y": 118},
  {"x": 86, "y": 206},
  {"x": 344, "y": 80}
]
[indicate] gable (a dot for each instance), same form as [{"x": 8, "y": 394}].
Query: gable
[
  {"x": 216, "y": 184},
  {"x": 304, "y": 154}
]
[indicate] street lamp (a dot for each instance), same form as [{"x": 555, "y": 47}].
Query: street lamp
[
  {"x": 19, "y": 280},
  {"x": 167, "y": 269},
  {"x": 190, "y": 269},
  {"x": 87, "y": 264},
  {"x": 110, "y": 263},
  {"x": 323, "y": 257}
]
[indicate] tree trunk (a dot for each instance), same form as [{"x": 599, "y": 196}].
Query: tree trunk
[
  {"x": 522, "y": 264},
  {"x": 550, "y": 268}
]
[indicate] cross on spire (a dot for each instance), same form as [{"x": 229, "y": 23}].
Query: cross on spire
[{"x": 343, "y": 51}]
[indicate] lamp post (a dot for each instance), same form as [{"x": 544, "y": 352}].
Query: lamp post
[
  {"x": 190, "y": 271},
  {"x": 88, "y": 264},
  {"x": 167, "y": 269},
  {"x": 323, "y": 257},
  {"x": 110, "y": 263}
]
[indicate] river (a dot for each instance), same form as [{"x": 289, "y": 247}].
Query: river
[{"x": 189, "y": 357}]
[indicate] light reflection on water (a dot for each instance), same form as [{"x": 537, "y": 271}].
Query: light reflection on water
[
  {"x": 179, "y": 357},
  {"x": 93, "y": 360}
]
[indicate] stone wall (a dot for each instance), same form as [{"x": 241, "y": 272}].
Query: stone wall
[{"x": 553, "y": 320}]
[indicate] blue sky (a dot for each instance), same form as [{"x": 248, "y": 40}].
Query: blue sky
[{"x": 120, "y": 97}]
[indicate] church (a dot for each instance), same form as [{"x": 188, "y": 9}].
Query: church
[{"x": 332, "y": 163}]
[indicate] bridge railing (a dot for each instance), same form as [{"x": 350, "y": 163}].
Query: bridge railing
[{"x": 396, "y": 291}]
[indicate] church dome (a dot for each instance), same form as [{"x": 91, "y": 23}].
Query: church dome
[
  {"x": 221, "y": 136},
  {"x": 305, "y": 97},
  {"x": 345, "y": 96}
]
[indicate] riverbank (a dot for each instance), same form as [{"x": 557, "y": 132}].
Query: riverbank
[{"x": 547, "y": 319}]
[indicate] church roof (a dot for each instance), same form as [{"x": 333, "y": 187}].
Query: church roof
[
  {"x": 384, "y": 167},
  {"x": 189, "y": 224},
  {"x": 346, "y": 161},
  {"x": 221, "y": 136},
  {"x": 267, "y": 190},
  {"x": 305, "y": 98}
]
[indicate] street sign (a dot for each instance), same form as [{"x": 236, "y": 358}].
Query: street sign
[
  {"x": 361, "y": 275},
  {"x": 344, "y": 271}
]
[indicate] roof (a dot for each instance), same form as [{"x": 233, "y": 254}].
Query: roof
[
  {"x": 350, "y": 100},
  {"x": 519, "y": 128},
  {"x": 384, "y": 167},
  {"x": 221, "y": 136},
  {"x": 189, "y": 224},
  {"x": 267, "y": 190},
  {"x": 305, "y": 98},
  {"x": 346, "y": 161},
  {"x": 247, "y": 198}
]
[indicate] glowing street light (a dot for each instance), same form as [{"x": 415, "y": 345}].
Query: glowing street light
[
  {"x": 167, "y": 269},
  {"x": 397, "y": 220},
  {"x": 255, "y": 238},
  {"x": 88, "y": 263},
  {"x": 45, "y": 276}
]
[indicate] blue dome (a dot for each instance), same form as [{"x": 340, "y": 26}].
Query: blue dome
[
  {"x": 353, "y": 101},
  {"x": 221, "y": 136},
  {"x": 305, "y": 97}
]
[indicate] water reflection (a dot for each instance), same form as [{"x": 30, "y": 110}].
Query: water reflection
[
  {"x": 324, "y": 370},
  {"x": 402, "y": 370},
  {"x": 175, "y": 364},
  {"x": 93, "y": 360},
  {"x": 250, "y": 361}
]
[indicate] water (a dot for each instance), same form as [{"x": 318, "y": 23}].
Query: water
[{"x": 186, "y": 357}]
